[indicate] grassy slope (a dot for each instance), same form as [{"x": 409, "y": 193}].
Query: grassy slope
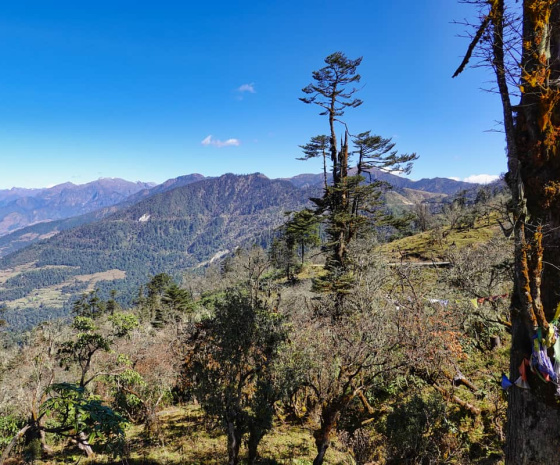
[
  {"x": 433, "y": 245},
  {"x": 185, "y": 440}
]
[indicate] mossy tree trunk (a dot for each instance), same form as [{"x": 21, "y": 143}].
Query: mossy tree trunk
[
  {"x": 533, "y": 147},
  {"x": 324, "y": 435},
  {"x": 534, "y": 174},
  {"x": 532, "y": 134}
]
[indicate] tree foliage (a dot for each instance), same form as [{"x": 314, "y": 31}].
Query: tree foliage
[
  {"x": 69, "y": 409},
  {"x": 230, "y": 357}
]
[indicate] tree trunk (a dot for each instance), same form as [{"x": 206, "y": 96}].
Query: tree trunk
[
  {"x": 84, "y": 445},
  {"x": 533, "y": 149},
  {"x": 533, "y": 419},
  {"x": 321, "y": 451},
  {"x": 37, "y": 434},
  {"x": 532, "y": 432},
  {"x": 234, "y": 443},
  {"x": 323, "y": 436},
  {"x": 534, "y": 177},
  {"x": 252, "y": 446},
  {"x": 495, "y": 342}
]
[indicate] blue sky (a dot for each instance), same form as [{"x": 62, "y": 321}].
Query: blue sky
[{"x": 149, "y": 91}]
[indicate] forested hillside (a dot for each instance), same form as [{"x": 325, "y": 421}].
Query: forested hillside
[
  {"x": 168, "y": 232},
  {"x": 177, "y": 225},
  {"x": 23, "y": 237},
  {"x": 405, "y": 192}
]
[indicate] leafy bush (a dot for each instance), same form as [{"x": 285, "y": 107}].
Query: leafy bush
[{"x": 9, "y": 426}]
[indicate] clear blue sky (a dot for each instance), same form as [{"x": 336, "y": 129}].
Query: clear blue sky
[{"x": 147, "y": 90}]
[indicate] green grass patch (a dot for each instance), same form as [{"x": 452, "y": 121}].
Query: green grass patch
[{"x": 434, "y": 244}]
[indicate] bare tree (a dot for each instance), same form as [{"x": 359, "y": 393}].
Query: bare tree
[{"x": 334, "y": 363}]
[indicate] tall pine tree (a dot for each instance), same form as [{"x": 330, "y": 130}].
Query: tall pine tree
[
  {"x": 347, "y": 206},
  {"x": 348, "y": 203}
]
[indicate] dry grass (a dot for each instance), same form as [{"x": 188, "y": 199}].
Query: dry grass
[
  {"x": 47, "y": 296},
  {"x": 11, "y": 272},
  {"x": 94, "y": 278},
  {"x": 52, "y": 296}
]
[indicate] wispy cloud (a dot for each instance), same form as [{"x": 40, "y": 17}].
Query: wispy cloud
[
  {"x": 247, "y": 88},
  {"x": 220, "y": 143},
  {"x": 482, "y": 178},
  {"x": 477, "y": 178}
]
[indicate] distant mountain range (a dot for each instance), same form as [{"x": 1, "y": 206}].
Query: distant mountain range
[
  {"x": 435, "y": 185},
  {"x": 29, "y": 215},
  {"x": 21, "y": 207},
  {"x": 166, "y": 228},
  {"x": 24, "y": 207}
]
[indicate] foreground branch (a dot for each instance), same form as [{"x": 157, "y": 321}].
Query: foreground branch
[{"x": 12, "y": 443}]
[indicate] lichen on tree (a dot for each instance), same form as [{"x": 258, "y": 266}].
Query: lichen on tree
[{"x": 532, "y": 128}]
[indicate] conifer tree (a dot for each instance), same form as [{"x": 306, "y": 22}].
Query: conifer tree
[
  {"x": 347, "y": 204},
  {"x": 302, "y": 230}
]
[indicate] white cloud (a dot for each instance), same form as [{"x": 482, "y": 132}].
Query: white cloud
[
  {"x": 477, "y": 178},
  {"x": 247, "y": 88},
  {"x": 482, "y": 178},
  {"x": 220, "y": 143}
]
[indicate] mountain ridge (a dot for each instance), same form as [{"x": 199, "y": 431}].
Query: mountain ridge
[
  {"x": 23, "y": 207},
  {"x": 435, "y": 185},
  {"x": 23, "y": 236}
]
